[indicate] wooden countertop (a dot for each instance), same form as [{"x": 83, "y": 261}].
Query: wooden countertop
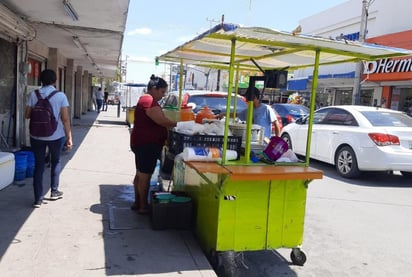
[
  {"x": 208, "y": 167},
  {"x": 258, "y": 172}
]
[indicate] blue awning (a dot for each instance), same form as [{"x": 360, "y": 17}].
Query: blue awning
[
  {"x": 298, "y": 84},
  {"x": 347, "y": 75}
]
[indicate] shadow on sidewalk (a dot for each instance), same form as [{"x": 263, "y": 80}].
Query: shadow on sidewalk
[
  {"x": 133, "y": 248},
  {"x": 16, "y": 199}
]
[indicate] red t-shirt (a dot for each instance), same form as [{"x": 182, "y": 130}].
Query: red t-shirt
[{"x": 145, "y": 130}]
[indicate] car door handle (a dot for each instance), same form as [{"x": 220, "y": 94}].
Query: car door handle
[{"x": 335, "y": 132}]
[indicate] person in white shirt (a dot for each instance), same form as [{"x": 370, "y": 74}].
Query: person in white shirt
[
  {"x": 99, "y": 99},
  {"x": 61, "y": 135}
]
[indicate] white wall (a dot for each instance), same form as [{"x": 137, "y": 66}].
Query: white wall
[{"x": 385, "y": 17}]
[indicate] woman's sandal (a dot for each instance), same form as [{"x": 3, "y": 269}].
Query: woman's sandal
[
  {"x": 135, "y": 207},
  {"x": 143, "y": 211}
]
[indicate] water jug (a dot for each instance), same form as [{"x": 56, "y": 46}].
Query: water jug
[
  {"x": 172, "y": 113},
  {"x": 186, "y": 113},
  {"x": 204, "y": 113}
]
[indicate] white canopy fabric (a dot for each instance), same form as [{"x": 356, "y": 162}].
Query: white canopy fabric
[
  {"x": 226, "y": 46},
  {"x": 272, "y": 49}
]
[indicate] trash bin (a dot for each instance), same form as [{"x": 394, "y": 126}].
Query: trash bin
[{"x": 130, "y": 116}]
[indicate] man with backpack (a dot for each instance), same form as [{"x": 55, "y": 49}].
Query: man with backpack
[{"x": 48, "y": 111}]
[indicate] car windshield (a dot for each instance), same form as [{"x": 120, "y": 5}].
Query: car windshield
[
  {"x": 388, "y": 119},
  {"x": 297, "y": 109},
  {"x": 215, "y": 103}
]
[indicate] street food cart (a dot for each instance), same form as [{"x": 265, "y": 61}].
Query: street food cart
[
  {"x": 241, "y": 205},
  {"x": 130, "y": 98}
]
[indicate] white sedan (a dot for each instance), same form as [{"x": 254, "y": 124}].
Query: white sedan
[{"x": 355, "y": 139}]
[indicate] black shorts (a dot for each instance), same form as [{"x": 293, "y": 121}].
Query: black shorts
[{"x": 146, "y": 156}]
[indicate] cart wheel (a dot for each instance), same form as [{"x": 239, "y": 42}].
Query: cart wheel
[
  {"x": 228, "y": 264},
  {"x": 224, "y": 263},
  {"x": 213, "y": 258},
  {"x": 298, "y": 257}
]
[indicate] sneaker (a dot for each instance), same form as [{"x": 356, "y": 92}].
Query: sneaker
[
  {"x": 56, "y": 195},
  {"x": 37, "y": 204}
]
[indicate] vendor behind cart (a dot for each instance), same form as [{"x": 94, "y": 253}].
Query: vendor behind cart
[
  {"x": 147, "y": 139},
  {"x": 263, "y": 114}
]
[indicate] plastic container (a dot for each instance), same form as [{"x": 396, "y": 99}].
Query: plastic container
[
  {"x": 178, "y": 141},
  {"x": 186, "y": 113},
  {"x": 172, "y": 113},
  {"x": 7, "y": 167},
  {"x": 20, "y": 166},
  {"x": 276, "y": 148},
  {"x": 204, "y": 113},
  {"x": 172, "y": 215},
  {"x": 30, "y": 163},
  {"x": 207, "y": 154},
  {"x": 164, "y": 198},
  {"x": 155, "y": 182},
  {"x": 258, "y": 132}
]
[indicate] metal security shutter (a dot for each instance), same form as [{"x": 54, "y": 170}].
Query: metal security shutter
[{"x": 13, "y": 28}]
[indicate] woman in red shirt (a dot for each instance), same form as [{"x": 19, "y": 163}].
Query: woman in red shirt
[{"x": 147, "y": 139}]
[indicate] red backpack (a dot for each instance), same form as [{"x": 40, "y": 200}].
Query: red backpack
[{"x": 43, "y": 123}]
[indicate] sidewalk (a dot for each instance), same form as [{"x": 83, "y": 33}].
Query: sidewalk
[{"x": 91, "y": 231}]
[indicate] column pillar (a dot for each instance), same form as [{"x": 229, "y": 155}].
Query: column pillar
[
  {"x": 78, "y": 93},
  {"x": 70, "y": 85},
  {"x": 52, "y": 61},
  {"x": 90, "y": 92},
  {"x": 85, "y": 91}
]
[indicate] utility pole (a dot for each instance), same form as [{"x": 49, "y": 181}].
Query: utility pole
[
  {"x": 125, "y": 70},
  {"x": 356, "y": 96}
]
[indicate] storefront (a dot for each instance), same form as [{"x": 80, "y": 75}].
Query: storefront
[
  {"x": 393, "y": 75},
  {"x": 8, "y": 80}
]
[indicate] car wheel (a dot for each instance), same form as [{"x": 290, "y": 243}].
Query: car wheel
[
  {"x": 287, "y": 139},
  {"x": 346, "y": 162},
  {"x": 407, "y": 174}
]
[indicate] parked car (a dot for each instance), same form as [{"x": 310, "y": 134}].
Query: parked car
[
  {"x": 113, "y": 99},
  {"x": 355, "y": 139},
  {"x": 197, "y": 99},
  {"x": 290, "y": 112},
  {"x": 279, "y": 120},
  {"x": 216, "y": 101}
]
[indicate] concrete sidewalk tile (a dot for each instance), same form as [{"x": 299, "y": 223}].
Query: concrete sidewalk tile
[{"x": 73, "y": 236}]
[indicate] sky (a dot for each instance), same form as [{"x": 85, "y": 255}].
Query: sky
[{"x": 156, "y": 27}]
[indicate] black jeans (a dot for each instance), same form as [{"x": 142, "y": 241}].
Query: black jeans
[{"x": 39, "y": 150}]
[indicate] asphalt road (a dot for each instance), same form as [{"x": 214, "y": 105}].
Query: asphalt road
[{"x": 352, "y": 228}]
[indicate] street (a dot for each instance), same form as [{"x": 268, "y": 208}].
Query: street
[{"x": 352, "y": 228}]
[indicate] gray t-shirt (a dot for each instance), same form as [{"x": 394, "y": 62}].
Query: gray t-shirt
[{"x": 58, "y": 101}]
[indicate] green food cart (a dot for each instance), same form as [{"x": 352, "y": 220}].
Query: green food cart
[{"x": 241, "y": 205}]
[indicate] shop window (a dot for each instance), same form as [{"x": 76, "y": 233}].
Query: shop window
[
  {"x": 33, "y": 77},
  {"x": 367, "y": 97}
]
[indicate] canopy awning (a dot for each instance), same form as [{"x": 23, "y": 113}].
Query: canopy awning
[
  {"x": 272, "y": 49},
  {"x": 227, "y": 46}
]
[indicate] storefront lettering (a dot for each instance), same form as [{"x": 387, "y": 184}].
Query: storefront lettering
[{"x": 388, "y": 66}]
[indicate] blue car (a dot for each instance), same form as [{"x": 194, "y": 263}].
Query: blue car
[{"x": 290, "y": 112}]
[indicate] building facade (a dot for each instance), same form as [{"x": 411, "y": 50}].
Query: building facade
[
  {"x": 74, "y": 41},
  {"x": 385, "y": 83}
]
